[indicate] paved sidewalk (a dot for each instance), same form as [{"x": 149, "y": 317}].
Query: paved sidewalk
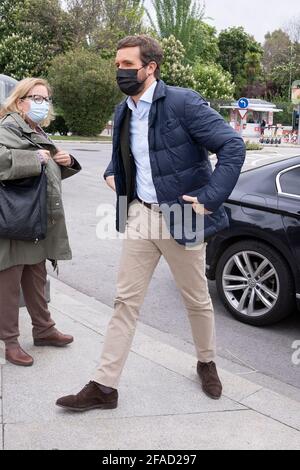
[{"x": 161, "y": 404}]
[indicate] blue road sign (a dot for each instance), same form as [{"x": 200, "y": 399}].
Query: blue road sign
[{"x": 243, "y": 103}]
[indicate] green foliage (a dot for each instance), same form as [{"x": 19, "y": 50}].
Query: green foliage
[
  {"x": 31, "y": 34},
  {"x": 35, "y": 33},
  {"x": 213, "y": 82},
  {"x": 252, "y": 67},
  {"x": 203, "y": 45},
  {"x": 174, "y": 71},
  {"x": 123, "y": 15},
  {"x": 282, "y": 77},
  {"x": 277, "y": 50},
  {"x": 10, "y": 15},
  {"x": 87, "y": 15},
  {"x": 210, "y": 79},
  {"x": 238, "y": 52},
  {"x": 253, "y": 146},
  {"x": 85, "y": 89},
  {"x": 178, "y": 18},
  {"x": 281, "y": 63},
  {"x": 285, "y": 117},
  {"x": 102, "y": 23},
  {"x": 21, "y": 56},
  {"x": 250, "y": 80},
  {"x": 58, "y": 125}
]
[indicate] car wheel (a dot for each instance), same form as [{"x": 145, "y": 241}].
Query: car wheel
[{"x": 255, "y": 283}]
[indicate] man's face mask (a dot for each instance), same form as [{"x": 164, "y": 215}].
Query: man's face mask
[{"x": 128, "y": 81}]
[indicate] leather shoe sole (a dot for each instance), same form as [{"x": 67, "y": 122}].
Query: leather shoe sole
[
  {"x": 57, "y": 344},
  {"x": 20, "y": 363},
  {"x": 213, "y": 397},
  {"x": 104, "y": 406}
]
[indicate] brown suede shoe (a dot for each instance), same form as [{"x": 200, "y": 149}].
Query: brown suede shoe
[
  {"x": 57, "y": 339},
  {"x": 91, "y": 397},
  {"x": 18, "y": 357},
  {"x": 211, "y": 384}
]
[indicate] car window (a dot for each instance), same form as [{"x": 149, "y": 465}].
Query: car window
[{"x": 290, "y": 182}]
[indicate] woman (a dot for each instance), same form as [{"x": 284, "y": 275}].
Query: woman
[{"x": 22, "y": 262}]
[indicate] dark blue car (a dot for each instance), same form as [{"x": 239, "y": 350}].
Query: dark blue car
[{"x": 256, "y": 262}]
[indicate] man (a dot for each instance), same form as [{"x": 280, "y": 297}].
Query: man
[
  {"x": 262, "y": 127},
  {"x": 162, "y": 136}
]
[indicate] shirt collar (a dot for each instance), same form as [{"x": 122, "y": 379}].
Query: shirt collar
[{"x": 147, "y": 97}]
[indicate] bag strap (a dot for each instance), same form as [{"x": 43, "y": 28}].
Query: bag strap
[
  {"x": 19, "y": 131},
  {"x": 22, "y": 134}
]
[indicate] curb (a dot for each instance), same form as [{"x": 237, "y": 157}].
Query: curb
[{"x": 96, "y": 315}]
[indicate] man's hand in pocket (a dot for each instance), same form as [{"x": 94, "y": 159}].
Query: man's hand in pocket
[
  {"x": 110, "y": 181},
  {"x": 198, "y": 208}
]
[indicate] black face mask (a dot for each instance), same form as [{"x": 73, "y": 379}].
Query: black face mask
[{"x": 128, "y": 81}]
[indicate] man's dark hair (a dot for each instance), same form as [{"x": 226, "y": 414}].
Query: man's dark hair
[{"x": 151, "y": 50}]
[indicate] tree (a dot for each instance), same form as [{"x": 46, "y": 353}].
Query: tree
[
  {"x": 87, "y": 15},
  {"x": 252, "y": 67},
  {"x": 204, "y": 43},
  {"x": 281, "y": 62},
  {"x": 178, "y": 18},
  {"x": 292, "y": 28},
  {"x": 277, "y": 50},
  {"x": 213, "y": 82},
  {"x": 284, "y": 117},
  {"x": 251, "y": 81},
  {"x": 102, "y": 23},
  {"x": 120, "y": 19},
  {"x": 124, "y": 15},
  {"x": 282, "y": 77},
  {"x": 21, "y": 56},
  {"x": 31, "y": 34},
  {"x": 10, "y": 15},
  {"x": 173, "y": 70},
  {"x": 237, "y": 50},
  {"x": 85, "y": 89}
]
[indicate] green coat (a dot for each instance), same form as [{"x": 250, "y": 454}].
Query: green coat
[{"x": 18, "y": 159}]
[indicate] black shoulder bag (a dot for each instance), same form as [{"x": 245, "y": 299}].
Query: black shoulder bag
[{"x": 23, "y": 205}]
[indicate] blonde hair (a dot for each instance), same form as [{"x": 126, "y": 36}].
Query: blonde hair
[{"x": 21, "y": 90}]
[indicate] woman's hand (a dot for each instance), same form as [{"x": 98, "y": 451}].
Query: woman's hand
[
  {"x": 110, "y": 181},
  {"x": 62, "y": 158},
  {"x": 198, "y": 208},
  {"x": 44, "y": 156}
]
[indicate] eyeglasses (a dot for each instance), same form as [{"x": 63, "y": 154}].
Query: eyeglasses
[{"x": 38, "y": 99}]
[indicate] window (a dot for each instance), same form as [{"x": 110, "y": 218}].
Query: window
[{"x": 289, "y": 182}]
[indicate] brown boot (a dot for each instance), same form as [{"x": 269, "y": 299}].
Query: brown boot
[
  {"x": 18, "y": 357},
  {"x": 56, "y": 339},
  {"x": 211, "y": 384},
  {"x": 91, "y": 397}
]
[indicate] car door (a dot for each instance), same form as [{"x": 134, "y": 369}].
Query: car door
[{"x": 288, "y": 187}]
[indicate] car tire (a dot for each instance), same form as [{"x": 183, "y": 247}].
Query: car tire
[{"x": 283, "y": 303}]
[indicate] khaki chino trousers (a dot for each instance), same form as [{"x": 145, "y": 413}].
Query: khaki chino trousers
[{"x": 140, "y": 256}]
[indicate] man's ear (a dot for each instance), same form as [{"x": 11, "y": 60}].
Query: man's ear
[{"x": 153, "y": 67}]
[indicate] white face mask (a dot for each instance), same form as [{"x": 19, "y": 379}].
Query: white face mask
[{"x": 38, "y": 111}]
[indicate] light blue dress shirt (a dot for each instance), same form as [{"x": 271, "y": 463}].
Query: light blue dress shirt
[{"x": 139, "y": 144}]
